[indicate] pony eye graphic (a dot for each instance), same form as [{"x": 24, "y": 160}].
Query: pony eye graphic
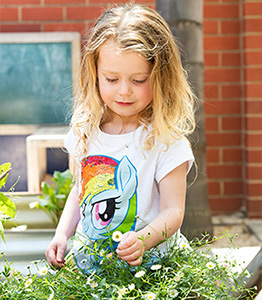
[{"x": 103, "y": 212}]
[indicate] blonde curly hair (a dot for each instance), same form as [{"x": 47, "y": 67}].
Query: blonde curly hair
[{"x": 141, "y": 29}]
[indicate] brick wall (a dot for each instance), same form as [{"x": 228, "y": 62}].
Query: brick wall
[
  {"x": 252, "y": 75},
  {"x": 233, "y": 85},
  {"x": 53, "y": 15},
  {"x": 233, "y": 91}
]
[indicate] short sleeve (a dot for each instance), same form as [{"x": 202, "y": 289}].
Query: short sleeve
[
  {"x": 70, "y": 142},
  {"x": 177, "y": 153}
]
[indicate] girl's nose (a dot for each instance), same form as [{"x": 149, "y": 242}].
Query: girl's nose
[{"x": 124, "y": 88}]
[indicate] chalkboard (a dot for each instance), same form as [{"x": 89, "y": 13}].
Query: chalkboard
[{"x": 36, "y": 80}]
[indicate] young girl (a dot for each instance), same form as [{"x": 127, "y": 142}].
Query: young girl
[{"x": 127, "y": 140}]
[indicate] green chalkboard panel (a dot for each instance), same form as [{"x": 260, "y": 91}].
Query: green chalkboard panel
[{"x": 35, "y": 83}]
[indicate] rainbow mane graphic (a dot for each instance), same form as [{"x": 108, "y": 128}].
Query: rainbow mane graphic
[{"x": 108, "y": 196}]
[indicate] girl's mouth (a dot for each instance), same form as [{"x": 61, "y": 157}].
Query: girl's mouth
[{"x": 124, "y": 103}]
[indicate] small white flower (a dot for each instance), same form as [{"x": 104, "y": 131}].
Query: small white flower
[
  {"x": 28, "y": 282},
  {"x": 173, "y": 293},
  {"x": 205, "y": 255},
  {"x": 121, "y": 292},
  {"x": 177, "y": 278},
  {"x": 210, "y": 265},
  {"x": 185, "y": 246},
  {"x": 140, "y": 274},
  {"x": 53, "y": 272},
  {"x": 248, "y": 275},
  {"x": 117, "y": 236},
  {"x": 150, "y": 296},
  {"x": 131, "y": 286},
  {"x": 35, "y": 261},
  {"x": 155, "y": 267},
  {"x": 93, "y": 284},
  {"x": 43, "y": 271},
  {"x": 33, "y": 204},
  {"x": 19, "y": 228}
]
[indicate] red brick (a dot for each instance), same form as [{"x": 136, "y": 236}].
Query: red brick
[
  {"x": 254, "y": 156},
  {"x": 8, "y": 14},
  {"x": 222, "y": 107},
  {"x": 254, "y": 91},
  {"x": 79, "y": 27},
  {"x": 232, "y": 155},
  {"x": 230, "y": 59},
  {"x": 212, "y": 155},
  {"x": 254, "y": 25},
  {"x": 253, "y": 58},
  {"x": 254, "y": 208},
  {"x": 253, "y": 140},
  {"x": 254, "y": 189},
  {"x": 19, "y": 2},
  {"x": 42, "y": 13},
  {"x": 221, "y": 43},
  {"x": 225, "y": 205},
  {"x": 84, "y": 13},
  {"x": 253, "y": 123},
  {"x": 233, "y": 188},
  {"x": 252, "y": 8},
  {"x": 211, "y": 123},
  {"x": 231, "y": 91},
  {"x": 252, "y": 42},
  {"x": 214, "y": 188},
  {"x": 229, "y": 27},
  {"x": 222, "y": 75},
  {"x": 221, "y": 11},
  {"x": 210, "y": 27},
  {"x": 223, "y": 139},
  {"x": 20, "y": 28},
  {"x": 223, "y": 172},
  {"x": 253, "y": 107},
  {"x": 253, "y": 74},
  {"x": 211, "y": 59},
  {"x": 64, "y": 1},
  {"x": 211, "y": 91},
  {"x": 232, "y": 123},
  {"x": 254, "y": 173}
]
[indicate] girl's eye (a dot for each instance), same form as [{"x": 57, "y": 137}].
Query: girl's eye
[
  {"x": 140, "y": 81},
  {"x": 111, "y": 79}
]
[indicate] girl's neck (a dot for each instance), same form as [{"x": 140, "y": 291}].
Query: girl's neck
[{"x": 119, "y": 125}]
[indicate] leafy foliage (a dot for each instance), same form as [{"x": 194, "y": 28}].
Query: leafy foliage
[
  {"x": 7, "y": 207},
  {"x": 53, "y": 198},
  {"x": 186, "y": 271}
]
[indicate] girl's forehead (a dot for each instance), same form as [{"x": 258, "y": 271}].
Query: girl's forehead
[{"x": 113, "y": 47}]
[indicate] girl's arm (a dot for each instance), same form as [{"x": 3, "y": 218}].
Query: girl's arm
[
  {"x": 65, "y": 229},
  {"x": 172, "y": 190}
]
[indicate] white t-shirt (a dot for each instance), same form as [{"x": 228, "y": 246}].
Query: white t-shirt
[{"x": 119, "y": 181}]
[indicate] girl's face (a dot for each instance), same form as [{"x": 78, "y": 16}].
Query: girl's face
[{"x": 124, "y": 81}]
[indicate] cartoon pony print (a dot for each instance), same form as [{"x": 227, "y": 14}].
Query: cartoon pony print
[{"x": 108, "y": 196}]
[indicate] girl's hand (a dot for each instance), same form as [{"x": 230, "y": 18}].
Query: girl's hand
[
  {"x": 55, "y": 251},
  {"x": 131, "y": 248}
]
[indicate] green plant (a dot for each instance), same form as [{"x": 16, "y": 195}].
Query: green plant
[
  {"x": 7, "y": 207},
  {"x": 53, "y": 198},
  {"x": 187, "y": 271}
]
